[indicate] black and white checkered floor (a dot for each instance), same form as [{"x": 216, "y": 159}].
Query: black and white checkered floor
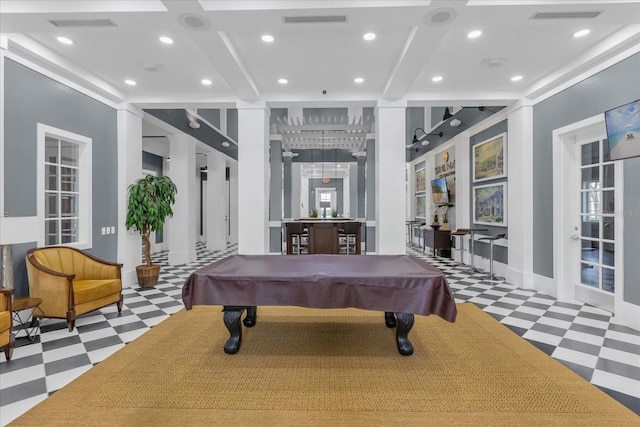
[{"x": 580, "y": 336}]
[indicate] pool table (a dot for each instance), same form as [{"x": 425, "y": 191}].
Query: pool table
[{"x": 398, "y": 285}]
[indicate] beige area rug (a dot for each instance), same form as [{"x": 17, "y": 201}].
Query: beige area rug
[{"x": 302, "y": 366}]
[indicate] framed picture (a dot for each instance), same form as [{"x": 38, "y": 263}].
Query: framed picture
[
  {"x": 490, "y": 204},
  {"x": 490, "y": 158},
  {"x": 421, "y": 180},
  {"x": 421, "y": 207}
]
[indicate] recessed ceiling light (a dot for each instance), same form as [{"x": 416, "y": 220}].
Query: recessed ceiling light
[
  {"x": 516, "y": 78},
  {"x": 369, "y": 36},
  {"x": 283, "y": 81},
  {"x": 474, "y": 34},
  {"x": 436, "y": 78},
  {"x": 267, "y": 38},
  {"x": 225, "y": 144},
  {"x": 206, "y": 82},
  {"x": 165, "y": 39},
  {"x": 581, "y": 33},
  {"x": 130, "y": 82},
  {"x": 65, "y": 40},
  {"x": 358, "y": 80}
]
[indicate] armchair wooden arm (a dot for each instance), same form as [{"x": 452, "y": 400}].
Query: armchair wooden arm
[{"x": 7, "y": 338}]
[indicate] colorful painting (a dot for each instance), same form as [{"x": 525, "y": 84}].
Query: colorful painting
[
  {"x": 490, "y": 159},
  {"x": 489, "y": 204},
  {"x": 421, "y": 206},
  {"x": 421, "y": 180}
]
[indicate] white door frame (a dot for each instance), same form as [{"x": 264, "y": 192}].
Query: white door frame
[{"x": 564, "y": 218}]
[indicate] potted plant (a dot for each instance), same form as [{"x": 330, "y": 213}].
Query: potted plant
[
  {"x": 314, "y": 213},
  {"x": 445, "y": 221},
  {"x": 150, "y": 201},
  {"x": 334, "y": 213}
]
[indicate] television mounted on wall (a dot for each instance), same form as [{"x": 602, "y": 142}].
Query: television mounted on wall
[
  {"x": 439, "y": 191},
  {"x": 623, "y": 130}
]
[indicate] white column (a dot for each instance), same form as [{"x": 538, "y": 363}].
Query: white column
[
  {"x": 253, "y": 182},
  {"x": 233, "y": 199},
  {"x": 129, "y": 170},
  {"x": 182, "y": 227},
  {"x": 390, "y": 180},
  {"x": 520, "y": 195},
  {"x": 216, "y": 202}
]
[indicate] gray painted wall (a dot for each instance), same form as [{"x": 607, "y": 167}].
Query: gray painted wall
[
  {"x": 275, "y": 194},
  {"x": 500, "y": 253},
  {"x": 232, "y": 124},
  {"x": 631, "y": 216},
  {"x": 152, "y": 162},
  {"x": 31, "y": 98},
  {"x": 212, "y": 115},
  {"x": 329, "y": 115},
  {"x": 612, "y": 87}
]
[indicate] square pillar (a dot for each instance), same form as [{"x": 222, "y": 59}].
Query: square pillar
[
  {"x": 390, "y": 178},
  {"x": 216, "y": 202},
  {"x": 253, "y": 179},
  {"x": 129, "y": 243},
  {"x": 182, "y": 226}
]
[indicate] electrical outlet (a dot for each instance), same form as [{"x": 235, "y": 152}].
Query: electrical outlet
[
  {"x": 104, "y": 230},
  {"x": 108, "y": 230},
  {"x": 113, "y": 229}
]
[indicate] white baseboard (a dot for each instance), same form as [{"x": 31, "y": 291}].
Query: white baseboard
[{"x": 627, "y": 314}]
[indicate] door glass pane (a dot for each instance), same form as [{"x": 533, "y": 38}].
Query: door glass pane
[
  {"x": 590, "y": 202},
  {"x": 69, "y": 153},
  {"x": 590, "y": 251},
  {"x": 607, "y": 176},
  {"x": 50, "y": 150},
  {"x": 68, "y": 179},
  {"x": 591, "y": 178},
  {"x": 51, "y": 205},
  {"x": 51, "y": 179},
  {"x": 591, "y": 153},
  {"x": 608, "y": 205},
  {"x": 608, "y": 279},
  {"x": 589, "y": 275},
  {"x": 606, "y": 155},
  {"x": 69, "y": 230},
  {"x": 51, "y": 232},
  {"x": 68, "y": 205},
  {"x": 608, "y": 254},
  {"x": 590, "y": 228},
  {"x": 608, "y": 227}
]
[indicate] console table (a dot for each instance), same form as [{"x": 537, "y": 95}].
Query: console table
[{"x": 436, "y": 240}]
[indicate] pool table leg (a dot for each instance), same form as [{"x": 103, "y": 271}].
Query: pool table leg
[
  {"x": 250, "y": 318},
  {"x": 232, "y": 322},
  {"x": 405, "y": 323},
  {"x": 389, "y": 319}
]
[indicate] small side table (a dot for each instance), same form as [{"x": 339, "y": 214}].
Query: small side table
[{"x": 29, "y": 324}]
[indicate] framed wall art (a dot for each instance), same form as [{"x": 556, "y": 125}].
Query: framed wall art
[
  {"x": 490, "y": 204},
  {"x": 490, "y": 158}
]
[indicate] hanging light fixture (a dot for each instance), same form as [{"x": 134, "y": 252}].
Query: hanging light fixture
[
  {"x": 424, "y": 136},
  {"x": 447, "y": 114}
]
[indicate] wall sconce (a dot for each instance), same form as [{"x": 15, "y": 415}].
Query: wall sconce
[
  {"x": 424, "y": 136},
  {"x": 193, "y": 124},
  {"x": 6, "y": 267}
]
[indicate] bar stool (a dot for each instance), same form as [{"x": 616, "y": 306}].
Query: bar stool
[
  {"x": 297, "y": 232},
  {"x": 492, "y": 277},
  {"x": 351, "y": 234},
  {"x": 461, "y": 232}
]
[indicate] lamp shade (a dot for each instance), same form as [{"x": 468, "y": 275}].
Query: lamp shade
[{"x": 6, "y": 267}]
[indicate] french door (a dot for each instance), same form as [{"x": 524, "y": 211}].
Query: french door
[{"x": 595, "y": 266}]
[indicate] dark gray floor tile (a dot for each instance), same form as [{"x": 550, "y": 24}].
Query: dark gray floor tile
[
  {"x": 22, "y": 391},
  {"x": 580, "y": 346},
  {"x": 67, "y": 364}
]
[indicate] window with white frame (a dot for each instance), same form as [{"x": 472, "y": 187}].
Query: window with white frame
[{"x": 64, "y": 183}]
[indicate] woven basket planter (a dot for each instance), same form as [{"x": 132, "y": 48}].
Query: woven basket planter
[{"x": 148, "y": 275}]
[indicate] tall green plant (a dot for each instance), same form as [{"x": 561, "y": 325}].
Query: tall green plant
[{"x": 150, "y": 201}]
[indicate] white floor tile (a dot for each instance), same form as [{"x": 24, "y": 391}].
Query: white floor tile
[
  {"x": 586, "y": 338},
  {"x": 575, "y": 357},
  {"x": 10, "y": 412},
  {"x": 616, "y": 382},
  {"x": 61, "y": 379},
  {"x": 631, "y": 359},
  {"x": 98, "y": 356},
  {"x": 542, "y": 337},
  {"x": 63, "y": 353}
]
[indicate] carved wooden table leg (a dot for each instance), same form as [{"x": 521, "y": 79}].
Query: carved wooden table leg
[
  {"x": 232, "y": 322},
  {"x": 389, "y": 319},
  {"x": 250, "y": 318},
  {"x": 405, "y": 323}
]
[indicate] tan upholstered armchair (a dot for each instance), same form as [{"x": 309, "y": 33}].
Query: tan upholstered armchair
[
  {"x": 71, "y": 282},
  {"x": 7, "y": 338}
]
